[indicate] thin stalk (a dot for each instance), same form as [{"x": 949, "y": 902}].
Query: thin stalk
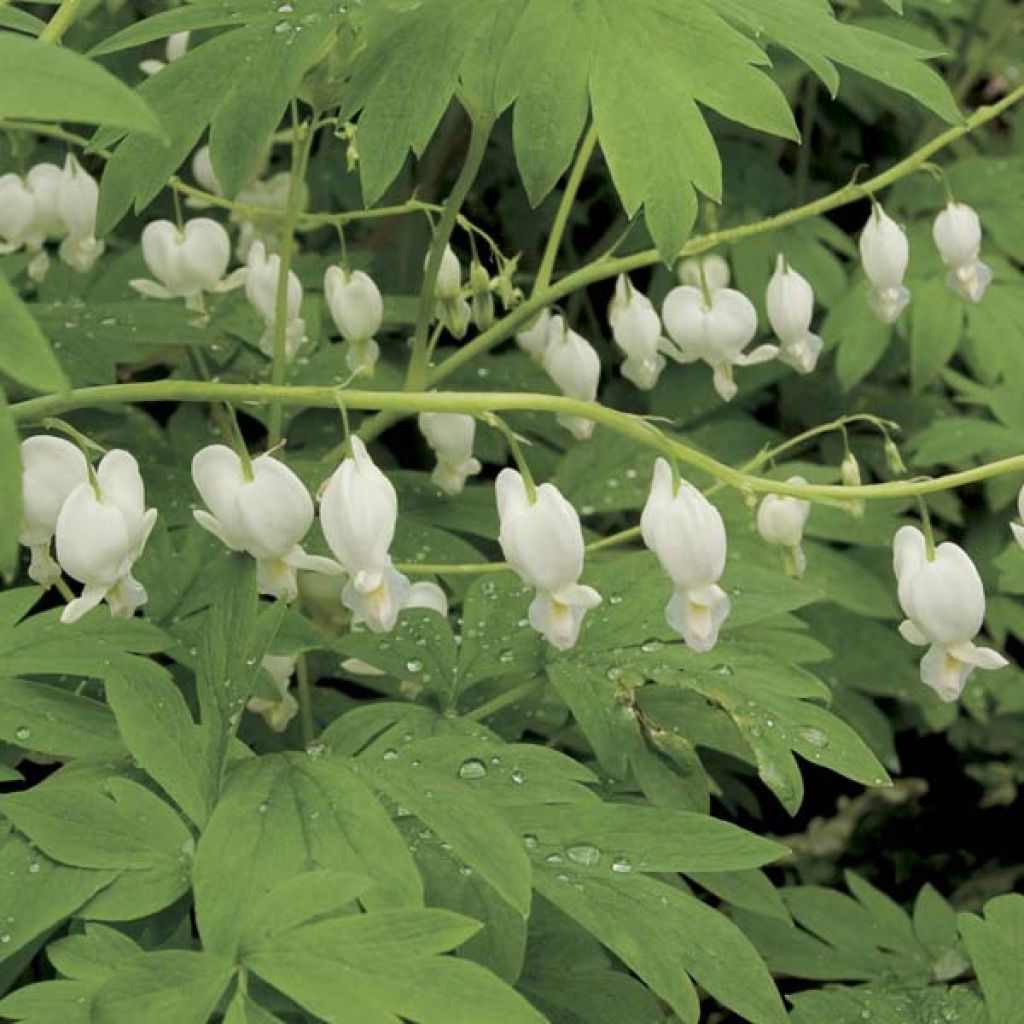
[
  {"x": 61, "y": 21},
  {"x": 503, "y": 700},
  {"x": 307, "y": 722}
]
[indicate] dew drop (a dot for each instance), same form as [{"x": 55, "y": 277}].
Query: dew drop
[
  {"x": 650, "y": 646},
  {"x": 518, "y": 776},
  {"x": 474, "y": 768},
  {"x": 622, "y": 866},
  {"x": 22, "y": 733},
  {"x": 815, "y": 737},
  {"x": 554, "y": 858},
  {"x": 530, "y": 841},
  {"x": 585, "y": 854},
  {"x": 413, "y": 665},
  {"x": 390, "y": 755}
]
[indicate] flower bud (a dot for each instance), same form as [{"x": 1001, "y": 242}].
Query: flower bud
[
  {"x": 358, "y": 513},
  {"x": 885, "y": 254},
  {"x": 175, "y": 49},
  {"x": 636, "y": 328},
  {"x": 533, "y": 340},
  {"x": 780, "y": 520},
  {"x": 483, "y": 299},
  {"x": 450, "y": 435},
  {"x": 942, "y": 595},
  {"x": 849, "y": 471},
  {"x": 101, "y": 530},
  {"x": 51, "y": 468},
  {"x": 542, "y": 541},
  {"x": 687, "y": 535},
  {"x": 277, "y": 713},
  {"x": 716, "y": 273},
  {"x": 790, "y": 305},
  {"x": 261, "y": 277},
  {"x": 957, "y": 234},
  {"x": 893, "y": 458},
  {"x": 573, "y": 364},
  {"x": 449, "y": 276},
  {"x": 714, "y": 330}
]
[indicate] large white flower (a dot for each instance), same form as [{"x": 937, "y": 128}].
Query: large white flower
[
  {"x": 186, "y": 262},
  {"x": 574, "y": 365},
  {"x": 790, "y": 304},
  {"x": 357, "y": 308},
  {"x": 450, "y": 435},
  {"x": 636, "y": 328},
  {"x": 686, "y": 533},
  {"x": 261, "y": 277},
  {"x": 543, "y": 542},
  {"x": 714, "y": 328},
  {"x": 101, "y": 531},
  {"x": 358, "y": 513},
  {"x": 266, "y": 516},
  {"x": 957, "y": 234},
  {"x": 944, "y": 601},
  {"x": 885, "y": 255},
  {"x": 781, "y": 520},
  {"x": 51, "y": 468}
]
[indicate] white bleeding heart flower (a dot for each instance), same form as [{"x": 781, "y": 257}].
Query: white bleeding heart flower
[
  {"x": 77, "y": 202},
  {"x": 636, "y": 328},
  {"x": 255, "y": 225},
  {"x": 533, "y": 340},
  {"x": 957, "y": 234},
  {"x": 277, "y": 713},
  {"x": 714, "y": 329},
  {"x": 46, "y": 181},
  {"x": 186, "y": 262},
  {"x": 261, "y": 279},
  {"x": 543, "y": 542},
  {"x": 51, "y": 468},
  {"x": 574, "y": 365},
  {"x": 358, "y": 513},
  {"x": 686, "y": 533},
  {"x": 17, "y": 213},
  {"x": 203, "y": 172},
  {"x": 357, "y": 308},
  {"x": 711, "y": 271},
  {"x": 428, "y": 597},
  {"x": 1018, "y": 530},
  {"x": 30, "y": 214},
  {"x": 790, "y": 304},
  {"x": 885, "y": 255},
  {"x": 781, "y": 520},
  {"x": 101, "y": 531},
  {"x": 267, "y": 515},
  {"x": 944, "y": 601},
  {"x": 450, "y": 436},
  {"x": 175, "y": 48}
]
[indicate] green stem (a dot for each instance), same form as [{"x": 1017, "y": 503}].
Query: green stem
[
  {"x": 572, "y": 187},
  {"x": 503, "y": 700},
  {"x": 307, "y": 722},
  {"x": 477, "y": 404},
  {"x": 61, "y": 21},
  {"x": 480, "y": 130}
]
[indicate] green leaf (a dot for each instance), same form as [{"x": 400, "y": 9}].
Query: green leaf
[
  {"x": 995, "y": 944},
  {"x": 92, "y": 955},
  {"x": 25, "y": 354},
  {"x": 51, "y": 83},
  {"x": 860, "y": 336},
  {"x": 10, "y": 491},
  {"x": 66, "y": 1001},
  {"x": 169, "y": 986},
  {"x": 937, "y": 321}
]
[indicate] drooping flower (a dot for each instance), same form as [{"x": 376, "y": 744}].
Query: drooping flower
[
  {"x": 450, "y": 436},
  {"x": 533, "y": 340},
  {"x": 261, "y": 276},
  {"x": 265, "y": 200},
  {"x": 358, "y": 513},
  {"x": 715, "y": 269},
  {"x": 542, "y": 540},
  {"x": 205, "y": 175},
  {"x": 1018, "y": 530},
  {"x": 781, "y": 520},
  {"x": 452, "y": 310},
  {"x": 686, "y": 533},
  {"x": 186, "y": 262},
  {"x": 790, "y": 305},
  {"x": 714, "y": 328},
  {"x": 277, "y": 713},
  {"x": 17, "y": 213},
  {"x": 885, "y": 255},
  {"x": 636, "y": 328},
  {"x": 357, "y": 309},
  {"x": 957, "y": 234},
  {"x": 427, "y": 596},
  {"x": 944, "y": 601},
  {"x": 482, "y": 297},
  {"x": 51, "y": 468},
  {"x": 174, "y": 49},
  {"x": 573, "y": 364},
  {"x": 101, "y": 531},
  {"x": 267, "y": 515},
  {"x": 77, "y": 202}
]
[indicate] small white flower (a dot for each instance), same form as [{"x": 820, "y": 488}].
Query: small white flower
[
  {"x": 277, "y": 713},
  {"x": 957, "y": 234},
  {"x": 267, "y": 516},
  {"x": 269, "y": 194},
  {"x": 429, "y": 597},
  {"x": 715, "y": 329},
  {"x": 543, "y": 542},
  {"x": 574, "y": 365},
  {"x": 686, "y": 533},
  {"x": 885, "y": 255},
  {"x": 186, "y": 262},
  {"x": 358, "y": 513},
  {"x": 30, "y": 214},
  {"x": 175, "y": 49},
  {"x": 449, "y": 276},
  {"x": 1018, "y": 530},
  {"x": 45, "y": 181},
  {"x": 76, "y": 203},
  {"x": 261, "y": 278},
  {"x": 101, "y": 530},
  {"x": 944, "y": 601},
  {"x": 781, "y": 520},
  {"x": 17, "y": 213},
  {"x": 790, "y": 304},
  {"x": 357, "y": 308},
  {"x": 450, "y": 435},
  {"x": 51, "y": 468},
  {"x": 636, "y": 328},
  {"x": 716, "y": 272},
  {"x": 533, "y": 340},
  {"x": 203, "y": 172}
]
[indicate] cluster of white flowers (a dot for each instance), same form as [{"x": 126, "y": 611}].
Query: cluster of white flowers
[{"x": 51, "y": 203}]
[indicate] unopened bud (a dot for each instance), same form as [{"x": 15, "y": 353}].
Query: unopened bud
[
  {"x": 849, "y": 471},
  {"x": 893, "y": 459}
]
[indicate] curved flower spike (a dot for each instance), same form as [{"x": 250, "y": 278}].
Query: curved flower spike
[
  {"x": 714, "y": 329},
  {"x": 101, "y": 531},
  {"x": 885, "y": 255},
  {"x": 790, "y": 304},
  {"x": 266, "y": 516},
  {"x": 686, "y": 533},
  {"x": 944, "y": 601},
  {"x": 781, "y": 520},
  {"x": 957, "y": 234},
  {"x": 543, "y": 542},
  {"x": 358, "y": 513},
  {"x": 573, "y": 364},
  {"x": 450, "y": 435},
  {"x": 51, "y": 468},
  {"x": 636, "y": 328}
]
